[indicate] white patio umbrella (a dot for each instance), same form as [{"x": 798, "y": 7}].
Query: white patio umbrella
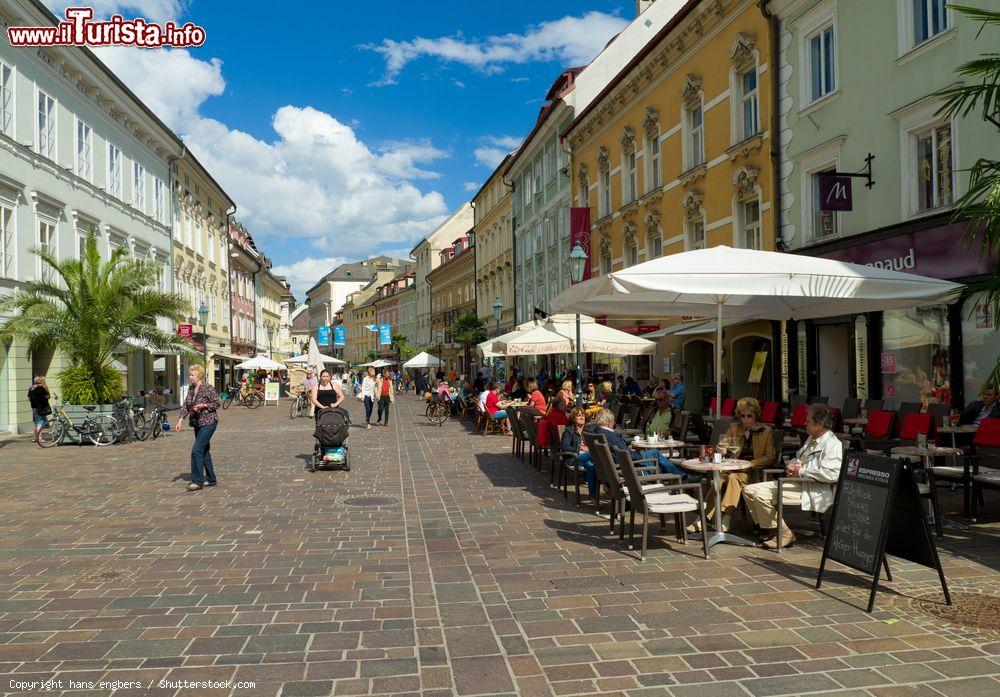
[
  {"x": 259, "y": 363},
  {"x": 314, "y": 359},
  {"x": 558, "y": 336},
  {"x": 304, "y": 359},
  {"x": 423, "y": 360},
  {"x": 380, "y": 363},
  {"x": 750, "y": 284}
]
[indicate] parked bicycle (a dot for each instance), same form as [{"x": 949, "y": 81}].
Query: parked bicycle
[
  {"x": 438, "y": 411},
  {"x": 153, "y": 427},
  {"x": 300, "y": 405},
  {"x": 99, "y": 429},
  {"x": 250, "y": 397},
  {"x": 130, "y": 418}
]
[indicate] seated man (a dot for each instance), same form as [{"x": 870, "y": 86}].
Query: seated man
[
  {"x": 660, "y": 421},
  {"x": 677, "y": 392},
  {"x": 604, "y": 424},
  {"x": 819, "y": 460},
  {"x": 987, "y": 407}
]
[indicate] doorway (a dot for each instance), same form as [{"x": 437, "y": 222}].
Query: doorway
[
  {"x": 698, "y": 372},
  {"x": 745, "y": 350},
  {"x": 833, "y": 351}
]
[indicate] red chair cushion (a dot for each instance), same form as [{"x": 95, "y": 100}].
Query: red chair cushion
[
  {"x": 914, "y": 424},
  {"x": 728, "y": 407},
  {"x": 799, "y": 415},
  {"x": 879, "y": 424},
  {"x": 988, "y": 433},
  {"x": 769, "y": 413},
  {"x": 711, "y": 404}
]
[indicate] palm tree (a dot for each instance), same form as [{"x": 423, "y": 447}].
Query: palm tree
[
  {"x": 468, "y": 330},
  {"x": 401, "y": 345},
  {"x": 86, "y": 308},
  {"x": 980, "y": 204}
]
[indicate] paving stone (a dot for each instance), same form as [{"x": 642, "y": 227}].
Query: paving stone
[{"x": 481, "y": 675}]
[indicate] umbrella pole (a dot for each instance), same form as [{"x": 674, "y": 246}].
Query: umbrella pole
[
  {"x": 718, "y": 360},
  {"x": 579, "y": 386}
]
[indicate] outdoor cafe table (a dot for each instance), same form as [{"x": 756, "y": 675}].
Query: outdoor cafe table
[
  {"x": 928, "y": 454},
  {"x": 953, "y": 430},
  {"x": 667, "y": 444},
  {"x": 727, "y": 465},
  {"x": 856, "y": 422}
]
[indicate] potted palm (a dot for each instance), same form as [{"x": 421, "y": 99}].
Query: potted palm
[{"x": 86, "y": 308}]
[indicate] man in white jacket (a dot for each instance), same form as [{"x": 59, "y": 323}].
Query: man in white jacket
[{"x": 819, "y": 461}]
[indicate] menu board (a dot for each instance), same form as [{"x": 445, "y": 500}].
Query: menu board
[{"x": 862, "y": 510}]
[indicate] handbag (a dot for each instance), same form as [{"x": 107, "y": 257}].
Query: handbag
[
  {"x": 193, "y": 416},
  {"x": 44, "y": 410}
]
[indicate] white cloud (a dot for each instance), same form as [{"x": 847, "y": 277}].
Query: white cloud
[
  {"x": 470, "y": 187},
  {"x": 569, "y": 40},
  {"x": 312, "y": 185},
  {"x": 304, "y": 273},
  {"x": 495, "y": 149}
]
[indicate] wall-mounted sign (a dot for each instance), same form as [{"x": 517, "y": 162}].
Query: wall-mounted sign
[
  {"x": 339, "y": 335},
  {"x": 385, "y": 334},
  {"x": 835, "y": 194},
  {"x": 888, "y": 363},
  {"x": 184, "y": 330},
  {"x": 757, "y": 369},
  {"x": 640, "y": 329},
  {"x": 323, "y": 335}
]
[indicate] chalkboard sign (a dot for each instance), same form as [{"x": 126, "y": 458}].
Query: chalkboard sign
[
  {"x": 877, "y": 510},
  {"x": 861, "y": 512}
]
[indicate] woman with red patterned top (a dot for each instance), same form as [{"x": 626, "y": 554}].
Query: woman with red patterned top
[{"x": 200, "y": 406}]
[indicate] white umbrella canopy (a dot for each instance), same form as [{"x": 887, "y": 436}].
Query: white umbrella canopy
[
  {"x": 380, "y": 363},
  {"x": 304, "y": 358},
  {"x": 750, "y": 284},
  {"x": 314, "y": 359},
  {"x": 423, "y": 360},
  {"x": 559, "y": 336},
  {"x": 259, "y": 363}
]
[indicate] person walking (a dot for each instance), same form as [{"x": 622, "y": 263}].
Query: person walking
[
  {"x": 200, "y": 407},
  {"x": 309, "y": 384},
  {"x": 367, "y": 395},
  {"x": 326, "y": 393},
  {"x": 38, "y": 397},
  {"x": 384, "y": 392}
]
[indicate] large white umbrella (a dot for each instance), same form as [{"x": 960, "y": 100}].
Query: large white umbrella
[
  {"x": 314, "y": 359},
  {"x": 259, "y": 363},
  {"x": 380, "y": 363},
  {"x": 424, "y": 360},
  {"x": 323, "y": 358},
  {"x": 558, "y": 336},
  {"x": 750, "y": 284}
]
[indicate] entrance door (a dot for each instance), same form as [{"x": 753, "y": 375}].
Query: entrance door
[
  {"x": 833, "y": 346},
  {"x": 744, "y": 350},
  {"x": 698, "y": 372}
]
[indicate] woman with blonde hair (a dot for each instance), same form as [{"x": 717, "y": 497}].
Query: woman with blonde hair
[
  {"x": 200, "y": 407},
  {"x": 38, "y": 397},
  {"x": 756, "y": 445}
]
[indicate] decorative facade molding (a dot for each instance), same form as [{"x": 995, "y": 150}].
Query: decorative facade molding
[
  {"x": 691, "y": 91},
  {"x": 652, "y": 221},
  {"x": 651, "y": 122},
  {"x": 603, "y": 159},
  {"x": 742, "y": 51},
  {"x": 693, "y": 175},
  {"x": 745, "y": 148},
  {"x": 628, "y": 140},
  {"x": 628, "y": 235},
  {"x": 692, "y": 204},
  {"x": 745, "y": 180},
  {"x": 583, "y": 175},
  {"x": 605, "y": 244}
]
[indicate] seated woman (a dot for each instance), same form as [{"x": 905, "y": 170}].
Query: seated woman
[
  {"x": 557, "y": 415},
  {"x": 572, "y": 442},
  {"x": 756, "y": 445},
  {"x": 536, "y": 400},
  {"x": 496, "y": 409},
  {"x": 518, "y": 392}
]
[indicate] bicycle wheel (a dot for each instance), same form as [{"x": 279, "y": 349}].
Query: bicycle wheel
[
  {"x": 227, "y": 400},
  {"x": 102, "y": 430},
  {"x": 52, "y": 433},
  {"x": 126, "y": 430},
  {"x": 157, "y": 427},
  {"x": 253, "y": 400},
  {"x": 296, "y": 409}
]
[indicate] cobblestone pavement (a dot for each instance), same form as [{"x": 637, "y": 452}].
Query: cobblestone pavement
[{"x": 474, "y": 578}]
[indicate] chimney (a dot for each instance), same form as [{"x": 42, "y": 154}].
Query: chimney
[{"x": 642, "y": 5}]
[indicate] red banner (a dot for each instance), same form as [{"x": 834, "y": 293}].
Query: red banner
[
  {"x": 639, "y": 329},
  {"x": 579, "y": 234}
]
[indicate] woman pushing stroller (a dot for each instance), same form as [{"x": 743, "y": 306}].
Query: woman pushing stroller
[{"x": 326, "y": 393}]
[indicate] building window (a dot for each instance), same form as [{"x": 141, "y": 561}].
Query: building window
[
  {"x": 605, "y": 261},
  {"x": 211, "y": 247},
  {"x": 930, "y": 18},
  {"x": 7, "y": 100},
  {"x": 934, "y": 167},
  {"x": 749, "y": 104},
  {"x": 159, "y": 199},
  {"x": 47, "y": 241},
  {"x": 628, "y": 180},
  {"x": 527, "y": 188},
  {"x": 631, "y": 254},
  {"x": 538, "y": 179},
  {"x": 695, "y": 232},
  {"x": 81, "y": 243},
  {"x": 652, "y": 160},
  {"x": 114, "y": 170},
  {"x": 822, "y": 62},
  {"x": 139, "y": 186},
  {"x": 824, "y": 223},
  {"x": 8, "y": 246},
  {"x": 749, "y": 225},
  {"x": 654, "y": 245},
  {"x": 46, "y": 126},
  {"x": 604, "y": 195},
  {"x": 84, "y": 151},
  {"x": 550, "y": 164},
  {"x": 694, "y": 117}
]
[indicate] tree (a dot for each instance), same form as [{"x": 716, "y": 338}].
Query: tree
[
  {"x": 468, "y": 330},
  {"x": 86, "y": 308},
  {"x": 404, "y": 352},
  {"x": 980, "y": 92}
]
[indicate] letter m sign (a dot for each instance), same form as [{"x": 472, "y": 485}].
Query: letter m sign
[{"x": 835, "y": 193}]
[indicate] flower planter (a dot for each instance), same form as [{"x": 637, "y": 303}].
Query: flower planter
[{"x": 78, "y": 413}]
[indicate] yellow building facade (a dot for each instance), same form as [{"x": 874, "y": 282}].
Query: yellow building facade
[
  {"x": 494, "y": 251},
  {"x": 674, "y": 155},
  {"x": 453, "y": 294}
]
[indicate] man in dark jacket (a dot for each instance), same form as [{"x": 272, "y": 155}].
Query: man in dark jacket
[
  {"x": 604, "y": 424},
  {"x": 985, "y": 408}
]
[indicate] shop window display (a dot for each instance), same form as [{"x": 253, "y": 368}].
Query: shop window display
[
  {"x": 914, "y": 358},
  {"x": 980, "y": 345}
]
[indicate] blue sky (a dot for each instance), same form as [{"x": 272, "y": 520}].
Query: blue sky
[{"x": 352, "y": 131}]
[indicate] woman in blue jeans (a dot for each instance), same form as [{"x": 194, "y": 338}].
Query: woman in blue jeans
[
  {"x": 200, "y": 405},
  {"x": 572, "y": 442}
]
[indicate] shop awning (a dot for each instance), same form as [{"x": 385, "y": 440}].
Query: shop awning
[{"x": 229, "y": 356}]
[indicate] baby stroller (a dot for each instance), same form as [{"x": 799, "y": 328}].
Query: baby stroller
[{"x": 332, "y": 430}]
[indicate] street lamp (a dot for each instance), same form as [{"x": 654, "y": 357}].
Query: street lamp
[
  {"x": 497, "y": 314},
  {"x": 440, "y": 350},
  {"x": 270, "y": 338},
  {"x": 203, "y": 316},
  {"x": 577, "y": 265}
]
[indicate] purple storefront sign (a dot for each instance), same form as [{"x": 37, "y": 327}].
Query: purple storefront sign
[{"x": 938, "y": 253}]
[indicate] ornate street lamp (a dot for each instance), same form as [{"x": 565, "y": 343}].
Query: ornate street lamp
[
  {"x": 497, "y": 314},
  {"x": 203, "y": 317},
  {"x": 577, "y": 264},
  {"x": 270, "y": 338}
]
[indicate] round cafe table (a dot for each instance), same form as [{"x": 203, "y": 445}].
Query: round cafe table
[
  {"x": 954, "y": 430},
  {"x": 668, "y": 444},
  {"x": 727, "y": 465},
  {"x": 928, "y": 454},
  {"x": 859, "y": 421}
]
